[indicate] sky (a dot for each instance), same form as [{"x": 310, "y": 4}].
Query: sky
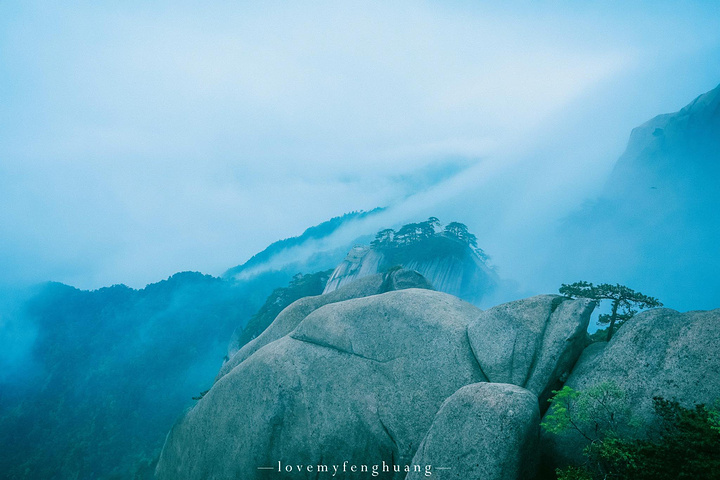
[{"x": 145, "y": 138}]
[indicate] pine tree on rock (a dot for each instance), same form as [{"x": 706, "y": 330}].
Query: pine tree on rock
[{"x": 624, "y": 301}]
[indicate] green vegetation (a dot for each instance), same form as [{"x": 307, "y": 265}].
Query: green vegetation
[
  {"x": 427, "y": 238},
  {"x": 624, "y": 301},
  {"x": 593, "y": 413},
  {"x": 682, "y": 443},
  {"x": 112, "y": 369}
]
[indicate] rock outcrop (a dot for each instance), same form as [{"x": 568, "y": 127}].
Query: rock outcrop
[
  {"x": 362, "y": 380},
  {"x": 449, "y": 265},
  {"x": 360, "y": 262},
  {"x": 532, "y": 343},
  {"x": 488, "y": 431},
  {"x": 656, "y": 353}
]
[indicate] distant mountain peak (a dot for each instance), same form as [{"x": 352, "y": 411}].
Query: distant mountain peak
[
  {"x": 678, "y": 149},
  {"x": 653, "y": 224}
]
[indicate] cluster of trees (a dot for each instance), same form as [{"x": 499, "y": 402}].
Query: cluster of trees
[
  {"x": 415, "y": 233},
  {"x": 111, "y": 370},
  {"x": 685, "y": 444}
]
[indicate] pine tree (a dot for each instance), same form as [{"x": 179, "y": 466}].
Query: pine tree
[{"x": 623, "y": 301}]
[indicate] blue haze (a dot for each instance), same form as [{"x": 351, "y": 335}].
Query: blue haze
[{"x": 139, "y": 140}]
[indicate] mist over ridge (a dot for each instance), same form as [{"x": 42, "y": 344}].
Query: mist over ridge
[
  {"x": 177, "y": 176},
  {"x": 178, "y": 329},
  {"x": 190, "y": 126}
]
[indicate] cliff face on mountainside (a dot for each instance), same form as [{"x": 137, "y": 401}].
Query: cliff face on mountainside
[
  {"x": 650, "y": 225},
  {"x": 448, "y": 259},
  {"x": 677, "y": 151}
]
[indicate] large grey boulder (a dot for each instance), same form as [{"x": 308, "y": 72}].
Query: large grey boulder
[
  {"x": 358, "y": 380},
  {"x": 362, "y": 380},
  {"x": 532, "y": 343},
  {"x": 294, "y": 313},
  {"x": 487, "y": 431},
  {"x": 657, "y": 353}
]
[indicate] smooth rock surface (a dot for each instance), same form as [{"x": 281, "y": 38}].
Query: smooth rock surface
[
  {"x": 360, "y": 380},
  {"x": 294, "y": 313},
  {"x": 487, "y": 431},
  {"x": 532, "y": 343}
]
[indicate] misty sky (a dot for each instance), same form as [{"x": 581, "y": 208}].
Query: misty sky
[{"x": 140, "y": 140}]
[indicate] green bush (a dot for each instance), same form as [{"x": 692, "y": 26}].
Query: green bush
[{"x": 684, "y": 444}]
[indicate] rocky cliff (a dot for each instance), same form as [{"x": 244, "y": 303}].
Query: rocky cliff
[
  {"x": 674, "y": 151},
  {"x": 650, "y": 226},
  {"x": 449, "y": 264}
]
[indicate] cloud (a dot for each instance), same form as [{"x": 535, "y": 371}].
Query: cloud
[{"x": 139, "y": 140}]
